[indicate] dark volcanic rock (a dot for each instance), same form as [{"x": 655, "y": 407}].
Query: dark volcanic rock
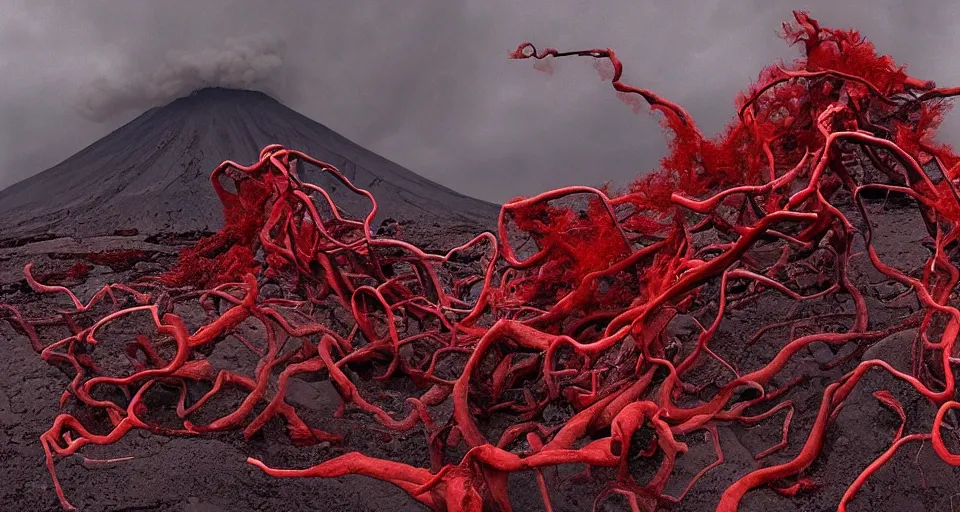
[{"x": 152, "y": 174}]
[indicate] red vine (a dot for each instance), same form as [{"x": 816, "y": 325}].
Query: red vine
[{"x": 579, "y": 315}]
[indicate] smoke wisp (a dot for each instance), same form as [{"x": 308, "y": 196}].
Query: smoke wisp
[{"x": 244, "y": 63}]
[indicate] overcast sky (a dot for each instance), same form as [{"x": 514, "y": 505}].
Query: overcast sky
[{"x": 426, "y": 83}]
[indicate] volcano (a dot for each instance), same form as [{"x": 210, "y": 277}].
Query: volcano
[{"x": 152, "y": 174}]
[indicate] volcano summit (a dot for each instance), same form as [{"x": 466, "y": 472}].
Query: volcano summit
[{"x": 152, "y": 174}]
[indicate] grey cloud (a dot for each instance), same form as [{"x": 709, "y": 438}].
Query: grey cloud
[
  {"x": 426, "y": 83},
  {"x": 244, "y": 63}
]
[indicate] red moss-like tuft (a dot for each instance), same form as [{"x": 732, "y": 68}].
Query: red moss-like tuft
[
  {"x": 228, "y": 254},
  {"x": 118, "y": 261},
  {"x": 77, "y": 272}
]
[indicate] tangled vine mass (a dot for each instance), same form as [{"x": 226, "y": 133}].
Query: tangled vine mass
[{"x": 572, "y": 306}]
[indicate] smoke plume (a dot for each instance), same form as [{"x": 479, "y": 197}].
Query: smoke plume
[{"x": 247, "y": 63}]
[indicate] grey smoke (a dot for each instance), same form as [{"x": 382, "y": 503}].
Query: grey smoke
[
  {"x": 426, "y": 83},
  {"x": 252, "y": 62}
]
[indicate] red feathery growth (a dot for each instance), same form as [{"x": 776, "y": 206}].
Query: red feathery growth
[
  {"x": 577, "y": 318},
  {"x": 229, "y": 253},
  {"x": 77, "y": 272},
  {"x": 118, "y": 261}
]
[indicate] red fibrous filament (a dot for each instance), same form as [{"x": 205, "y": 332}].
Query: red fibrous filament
[{"x": 577, "y": 316}]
